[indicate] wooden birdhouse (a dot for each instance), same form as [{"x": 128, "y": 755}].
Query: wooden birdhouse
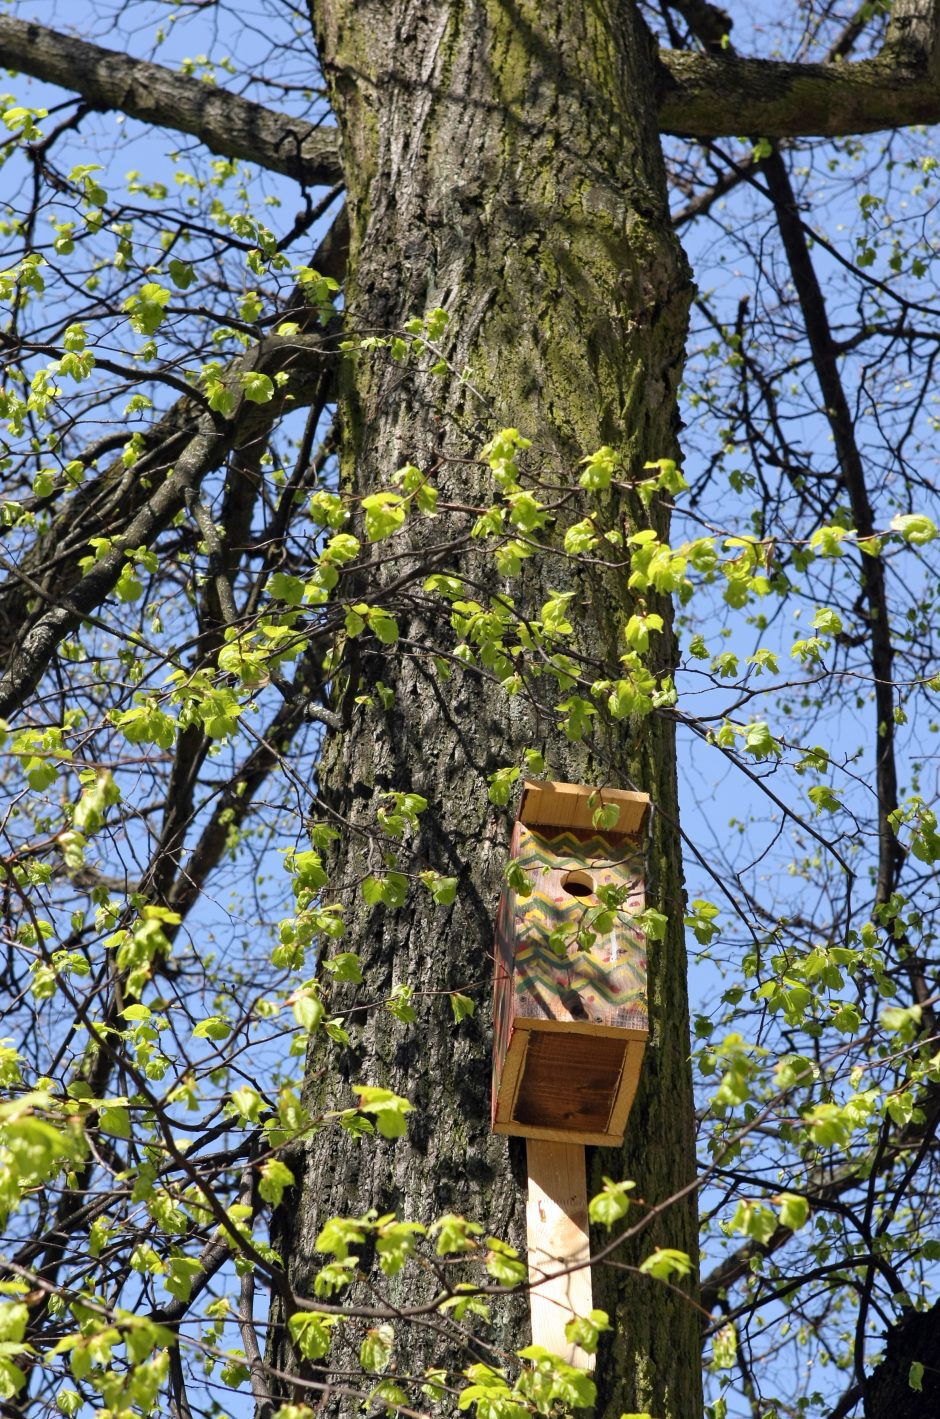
[{"x": 570, "y": 1014}]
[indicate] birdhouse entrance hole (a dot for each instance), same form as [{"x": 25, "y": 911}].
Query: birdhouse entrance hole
[{"x": 578, "y": 884}]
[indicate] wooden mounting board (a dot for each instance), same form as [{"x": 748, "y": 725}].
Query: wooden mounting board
[{"x": 557, "y": 1231}]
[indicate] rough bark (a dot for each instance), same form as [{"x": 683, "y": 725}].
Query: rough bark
[
  {"x": 888, "y": 1392},
  {"x": 226, "y": 123},
  {"x": 503, "y": 162}
]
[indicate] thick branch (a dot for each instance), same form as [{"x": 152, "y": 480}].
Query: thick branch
[
  {"x": 226, "y": 123},
  {"x": 723, "y": 95},
  {"x": 710, "y": 95}
]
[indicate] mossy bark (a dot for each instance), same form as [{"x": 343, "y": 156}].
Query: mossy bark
[{"x": 503, "y": 162}]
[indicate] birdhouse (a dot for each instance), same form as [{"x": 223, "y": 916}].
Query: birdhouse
[{"x": 570, "y": 1010}]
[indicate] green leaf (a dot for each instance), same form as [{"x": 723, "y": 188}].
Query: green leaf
[
  {"x": 759, "y": 741},
  {"x": 552, "y": 1381},
  {"x": 823, "y": 798},
  {"x": 915, "y": 528},
  {"x": 12, "y": 1378},
  {"x": 259, "y": 389},
  {"x": 518, "y": 879},
  {"x": 214, "y": 1028},
  {"x": 462, "y": 1006},
  {"x": 503, "y": 1263},
  {"x": 605, "y": 817},
  {"x": 666, "y": 1262},
  {"x": 389, "y": 891},
  {"x": 372, "y": 889},
  {"x": 443, "y": 889},
  {"x": 653, "y": 924},
  {"x": 587, "y": 1330},
  {"x": 383, "y": 626},
  {"x": 114, "y": 1120},
  {"x": 286, "y": 588},
  {"x": 346, "y": 966},
  {"x": 793, "y": 1211},
  {"x": 724, "y": 1349},
  {"x": 599, "y": 469},
  {"x": 247, "y": 1103},
  {"x": 390, "y": 1395},
  {"x": 181, "y": 1272},
  {"x": 752, "y": 1219},
  {"x": 135, "y": 1013},
  {"x": 309, "y": 1010},
  {"x": 388, "y": 1109},
  {"x": 181, "y": 274},
  {"x": 147, "y": 308},
  {"x": 827, "y": 621},
  {"x": 399, "y": 1003},
  {"x": 395, "y": 1244},
  {"x": 385, "y": 514},
  {"x": 341, "y": 1233},
  {"x": 581, "y": 537},
  {"x": 376, "y": 1349},
  {"x": 455, "y": 1234},
  {"x": 310, "y": 1332},
  {"x": 501, "y": 783},
  {"x": 14, "y": 1318},
  {"x": 609, "y": 1206}
]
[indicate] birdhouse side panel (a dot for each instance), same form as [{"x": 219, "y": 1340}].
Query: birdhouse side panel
[
  {"x": 503, "y": 1001},
  {"x": 552, "y": 978}
]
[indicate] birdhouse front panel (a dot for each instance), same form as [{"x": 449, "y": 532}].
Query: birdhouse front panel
[{"x": 570, "y": 1008}]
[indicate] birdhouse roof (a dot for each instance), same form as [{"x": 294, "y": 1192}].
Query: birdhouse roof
[{"x": 573, "y": 805}]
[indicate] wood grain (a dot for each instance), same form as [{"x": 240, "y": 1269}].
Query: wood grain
[{"x": 557, "y": 1234}]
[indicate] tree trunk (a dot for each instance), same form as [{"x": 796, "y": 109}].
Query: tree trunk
[
  {"x": 502, "y": 162},
  {"x": 906, "y": 1385}
]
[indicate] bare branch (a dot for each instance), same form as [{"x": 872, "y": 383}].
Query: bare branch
[
  {"x": 226, "y": 123},
  {"x": 717, "y": 95}
]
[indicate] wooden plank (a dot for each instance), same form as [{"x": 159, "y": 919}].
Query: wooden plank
[
  {"x": 557, "y": 1230},
  {"x": 545, "y": 1025},
  {"x": 504, "y": 1100},
  {"x": 557, "y": 1135},
  {"x": 567, "y": 805},
  {"x": 626, "y": 1090},
  {"x": 570, "y": 1082}
]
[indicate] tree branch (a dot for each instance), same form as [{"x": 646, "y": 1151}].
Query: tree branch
[
  {"x": 711, "y": 95},
  {"x": 209, "y": 442},
  {"x": 718, "y": 95},
  {"x": 226, "y": 123}
]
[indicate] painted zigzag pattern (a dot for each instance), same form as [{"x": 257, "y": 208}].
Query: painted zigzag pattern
[{"x": 609, "y": 976}]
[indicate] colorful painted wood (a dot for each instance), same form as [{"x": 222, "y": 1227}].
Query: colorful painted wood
[{"x": 570, "y": 1024}]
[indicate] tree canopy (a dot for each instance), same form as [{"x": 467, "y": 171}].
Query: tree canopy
[{"x": 371, "y": 445}]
